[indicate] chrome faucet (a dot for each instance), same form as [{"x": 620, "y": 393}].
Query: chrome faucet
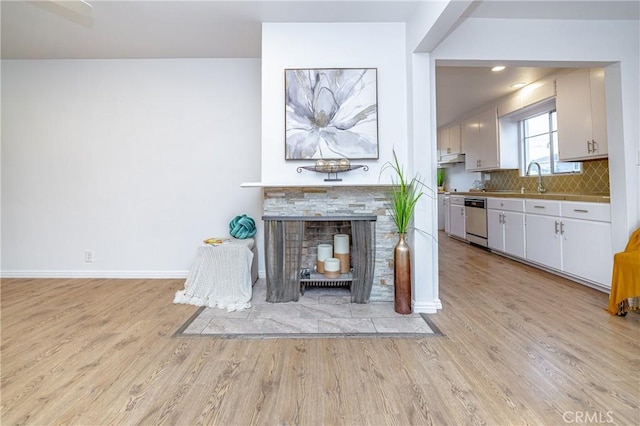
[{"x": 541, "y": 188}]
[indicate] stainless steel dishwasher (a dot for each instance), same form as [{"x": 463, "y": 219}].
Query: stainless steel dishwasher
[{"x": 476, "y": 220}]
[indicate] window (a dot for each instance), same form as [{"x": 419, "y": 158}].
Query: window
[{"x": 539, "y": 134}]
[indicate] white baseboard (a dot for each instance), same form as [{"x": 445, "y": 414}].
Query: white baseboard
[
  {"x": 427, "y": 307},
  {"x": 102, "y": 274},
  {"x": 96, "y": 274}
]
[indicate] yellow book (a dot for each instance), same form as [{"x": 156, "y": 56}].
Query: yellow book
[{"x": 216, "y": 241}]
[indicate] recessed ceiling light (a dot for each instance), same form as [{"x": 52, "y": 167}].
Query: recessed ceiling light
[
  {"x": 518, "y": 85},
  {"x": 498, "y": 68}
]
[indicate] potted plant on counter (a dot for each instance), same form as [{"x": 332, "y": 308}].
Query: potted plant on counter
[
  {"x": 440, "y": 179},
  {"x": 405, "y": 194}
]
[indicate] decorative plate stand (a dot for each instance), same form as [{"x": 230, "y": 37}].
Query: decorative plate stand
[{"x": 332, "y": 168}]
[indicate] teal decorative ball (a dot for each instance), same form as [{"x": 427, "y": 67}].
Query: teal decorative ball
[{"x": 242, "y": 227}]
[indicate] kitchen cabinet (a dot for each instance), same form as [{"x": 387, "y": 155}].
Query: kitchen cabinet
[
  {"x": 481, "y": 143},
  {"x": 449, "y": 141},
  {"x": 586, "y": 241},
  {"x": 571, "y": 237},
  {"x": 447, "y": 213},
  {"x": 441, "y": 211},
  {"x": 587, "y": 250},
  {"x": 457, "y": 217},
  {"x": 542, "y": 236},
  {"x": 582, "y": 118},
  {"x": 505, "y": 226},
  {"x": 526, "y": 97}
]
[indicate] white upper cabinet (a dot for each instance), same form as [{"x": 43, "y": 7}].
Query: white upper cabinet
[
  {"x": 527, "y": 96},
  {"x": 484, "y": 146},
  {"x": 449, "y": 141},
  {"x": 582, "y": 118}
]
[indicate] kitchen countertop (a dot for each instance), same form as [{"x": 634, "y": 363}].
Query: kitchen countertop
[{"x": 592, "y": 198}]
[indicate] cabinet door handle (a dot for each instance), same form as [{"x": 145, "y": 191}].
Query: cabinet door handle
[
  {"x": 594, "y": 146},
  {"x": 562, "y": 228},
  {"x": 538, "y": 207},
  {"x": 556, "y": 222},
  {"x": 581, "y": 210},
  {"x": 589, "y": 150}
]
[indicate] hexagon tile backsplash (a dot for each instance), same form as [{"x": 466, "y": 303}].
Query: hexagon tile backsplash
[{"x": 594, "y": 179}]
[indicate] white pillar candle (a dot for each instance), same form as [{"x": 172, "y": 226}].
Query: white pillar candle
[
  {"x": 325, "y": 251},
  {"x": 341, "y": 243},
  {"x": 331, "y": 267}
]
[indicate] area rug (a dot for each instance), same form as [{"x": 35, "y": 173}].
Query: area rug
[{"x": 320, "y": 313}]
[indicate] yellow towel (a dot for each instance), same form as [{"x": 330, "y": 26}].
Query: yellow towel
[{"x": 625, "y": 282}]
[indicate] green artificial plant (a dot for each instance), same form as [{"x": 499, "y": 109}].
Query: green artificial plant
[
  {"x": 405, "y": 194},
  {"x": 440, "y": 178}
]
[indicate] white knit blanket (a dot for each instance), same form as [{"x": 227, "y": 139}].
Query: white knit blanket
[{"x": 220, "y": 277}]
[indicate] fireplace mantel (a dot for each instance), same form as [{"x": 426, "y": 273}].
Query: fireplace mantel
[
  {"x": 313, "y": 185},
  {"x": 321, "y": 218}
]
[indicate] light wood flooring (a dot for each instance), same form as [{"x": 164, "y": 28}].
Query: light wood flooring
[{"x": 521, "y": 347}]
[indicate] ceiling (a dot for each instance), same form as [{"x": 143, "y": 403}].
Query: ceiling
[
  {"x": 460, "y": 90},
  {"x": 170, "y": 29},
  {"x": 232, "y": 29}
]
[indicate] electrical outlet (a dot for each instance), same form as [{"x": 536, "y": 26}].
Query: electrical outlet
[{"x": 88, "y": 256}]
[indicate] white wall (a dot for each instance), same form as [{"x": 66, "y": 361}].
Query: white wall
[
  {"x": 573, "y": 43},
  {"x": 333, "y": 45},
  {"x": 137, "y": 160},
  {"x": 458, "y": 179},
  {"x": 382, "y": 46}
]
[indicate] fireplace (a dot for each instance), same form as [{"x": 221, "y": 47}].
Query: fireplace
[
  {"x": 318, "y": 212},
  {"x": 290, "y": 269}
]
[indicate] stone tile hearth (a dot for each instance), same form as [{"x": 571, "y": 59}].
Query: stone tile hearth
[{"x": 320, "y": 312}]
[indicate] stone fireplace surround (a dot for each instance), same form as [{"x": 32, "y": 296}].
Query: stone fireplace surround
[{"x": 334, "y": 201}]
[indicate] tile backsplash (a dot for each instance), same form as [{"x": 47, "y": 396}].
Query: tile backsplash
[{"x": 594, "y": 179}]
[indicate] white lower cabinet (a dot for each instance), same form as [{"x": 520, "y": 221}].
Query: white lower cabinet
[
  {"x": 587, "y": 250},
  {"x": 514, "y": 239},
  {"x": 495, "y": 230},
  {"x": 447, "y": 214},
  {"x": 442, "y": 208},
  {"x": 571, "y": 237},
  {"x": 544, "y": 244},
  {"x": 505, "y": 226},
  {"x": 457, "y": 217}
]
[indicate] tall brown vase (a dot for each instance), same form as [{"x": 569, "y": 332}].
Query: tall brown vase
[{"x": 402, "y": 276}]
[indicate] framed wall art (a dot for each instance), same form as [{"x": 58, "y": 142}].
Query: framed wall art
[{"x": 331, "y": 113}]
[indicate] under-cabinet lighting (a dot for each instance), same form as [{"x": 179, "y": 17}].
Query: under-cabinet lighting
[{"x": 498, "y": 68}]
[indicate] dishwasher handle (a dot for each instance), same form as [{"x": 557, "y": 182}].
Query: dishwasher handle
[{"x": 479, "y": 203}]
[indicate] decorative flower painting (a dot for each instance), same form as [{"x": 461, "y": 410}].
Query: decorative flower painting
[{"x": 331, "y": 113}]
